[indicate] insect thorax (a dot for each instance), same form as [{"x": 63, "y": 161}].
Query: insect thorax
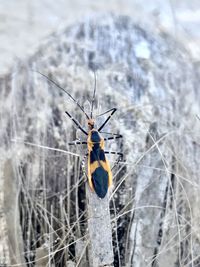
[{"x": 95, "y": 140}]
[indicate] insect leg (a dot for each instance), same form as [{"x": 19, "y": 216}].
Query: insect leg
[
  {"x": 115, "y": 136},
  {"x": 83, "y": 164},
  {"x": 77, "y": 123},
  {"x": 77, "y": 143},
  {"x": 112, "y": 110},
  {"x": 115, "y": 153}
]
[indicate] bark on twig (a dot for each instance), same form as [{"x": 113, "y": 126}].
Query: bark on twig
[{"x": 100, "y": 230}]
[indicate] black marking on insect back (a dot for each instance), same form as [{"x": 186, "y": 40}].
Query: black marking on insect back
[
  {"x": 97, "y": 154},
  {"x": 100, "y": 181},
  {"x": 93, "y": 156},
  {"x": 95, "y": 137},
  {"x": 102, "y": 155}
]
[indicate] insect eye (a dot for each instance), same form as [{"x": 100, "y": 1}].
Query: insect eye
[{"x": 90, "y": 123}]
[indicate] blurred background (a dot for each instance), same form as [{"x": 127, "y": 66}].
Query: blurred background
[{"x": 24, "y": 24}]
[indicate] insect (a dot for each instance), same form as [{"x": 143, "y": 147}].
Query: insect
[{"x": 99, "y": 170}]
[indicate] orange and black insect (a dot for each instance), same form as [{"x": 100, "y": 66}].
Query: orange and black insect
[{"x": 99, "y": 171}]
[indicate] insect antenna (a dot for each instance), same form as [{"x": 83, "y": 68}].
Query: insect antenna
[
  {"x": 58, "y": 86},
  {"x": 94, "y": 92}
]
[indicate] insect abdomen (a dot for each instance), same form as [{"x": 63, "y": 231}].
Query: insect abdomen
[{"x": 100, "y": 181}]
